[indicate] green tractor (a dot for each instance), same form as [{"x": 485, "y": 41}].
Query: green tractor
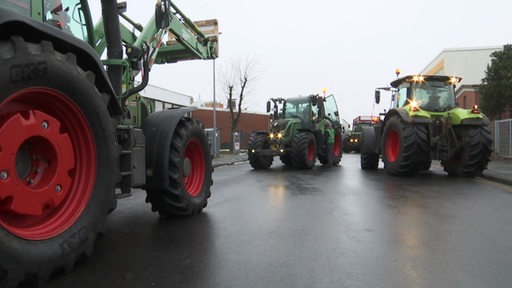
[
  {"x": 424, "y": 124},
  {"x": 352, "y": 143},
  {"x": 75, "y": 135},
  {"x": 297, "y": 133}
]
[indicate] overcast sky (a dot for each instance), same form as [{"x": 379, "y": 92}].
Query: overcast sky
[{"x": 348, "y": 47}]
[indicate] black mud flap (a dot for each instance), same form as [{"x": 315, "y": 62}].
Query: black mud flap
[{"x": 158, "y": 129}]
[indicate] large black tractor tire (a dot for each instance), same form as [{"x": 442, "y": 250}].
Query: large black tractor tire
[
  {"x": 338, "y": 149},
  {"x": 405, "y": 149},
  {"x": 190, "y": 169},
  {"x": 370, "y": 148},
  {"x": 423, "y": 158},
  {"x": 258, "y": 161},
  {"x": 369, "y": 161},
  {"x": 286, "y": 159},
  {"x": 57, "y": 159},
  {"x": 303, "y": 150},
  {"x": 475, "y": 153}
]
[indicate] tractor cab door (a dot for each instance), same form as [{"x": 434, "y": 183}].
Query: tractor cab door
[{"x": 331, "y": 111}]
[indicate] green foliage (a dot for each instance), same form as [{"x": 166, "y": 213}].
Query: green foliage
[{"x": 496, "y": 88}]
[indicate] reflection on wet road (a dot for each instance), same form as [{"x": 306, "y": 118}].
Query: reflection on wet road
[{"x": 326, "y": 227}]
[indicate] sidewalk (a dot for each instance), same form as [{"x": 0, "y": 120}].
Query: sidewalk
[
  {"x": 499, "y": 170},
  {"x": 229, "y": 159}
]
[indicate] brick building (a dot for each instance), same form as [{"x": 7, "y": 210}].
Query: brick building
[
  {"x": 249, "y": 121},
  {"x": 467, "y": 96}
]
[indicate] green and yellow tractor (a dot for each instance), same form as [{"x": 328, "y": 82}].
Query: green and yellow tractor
[
  {"x": 425, "y": 124},
  {"x": 297, "y": 133}
]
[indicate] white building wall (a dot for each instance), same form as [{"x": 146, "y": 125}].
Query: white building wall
[
  {"x": 165, "y": 98},
  {"x": 468, "y": 63}
]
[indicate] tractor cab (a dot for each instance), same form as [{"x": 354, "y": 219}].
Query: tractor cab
[
  {"x": 429, "y": 92},
  {"x": 304, "y": 108},
  {"x": 70, "y": 16}
]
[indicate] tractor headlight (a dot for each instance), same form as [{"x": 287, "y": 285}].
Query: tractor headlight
[
  {"x": 277, "y": 135},
  {"x": 415, "y": 106}
]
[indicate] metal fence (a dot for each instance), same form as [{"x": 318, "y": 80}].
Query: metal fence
[{"x": 503, "y": 138}]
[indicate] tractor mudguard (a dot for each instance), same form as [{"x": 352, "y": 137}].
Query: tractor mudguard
[
  {"x": 158, "y": 130},
  {"x": 459, "y": 116},
  {"x": 371, "y": 139},
  {"x": 12, "y": 24}
]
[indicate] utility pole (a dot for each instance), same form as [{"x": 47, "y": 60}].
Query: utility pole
[{"x": 215, "y": 136}]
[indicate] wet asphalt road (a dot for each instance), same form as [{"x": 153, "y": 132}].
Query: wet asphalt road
[{"x": 328, "y": 227}]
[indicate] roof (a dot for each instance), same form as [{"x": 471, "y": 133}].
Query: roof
[{"x": 411, "y": 78}]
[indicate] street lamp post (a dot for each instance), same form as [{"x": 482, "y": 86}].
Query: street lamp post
[{"x": 214, "y": 142}]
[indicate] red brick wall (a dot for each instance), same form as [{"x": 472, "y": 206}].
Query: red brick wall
[
  {"x": 248, "y": 122},
  {"x": 468, "y": 98}
]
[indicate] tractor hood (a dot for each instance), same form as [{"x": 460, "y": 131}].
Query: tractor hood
[{"x": 279, "y": 125}]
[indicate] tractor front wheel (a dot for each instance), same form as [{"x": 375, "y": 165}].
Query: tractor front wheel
[
  {"x": 304, "y": 150},
  {"x": 189, "y": 172},
  {"x": 286, "y": 159},
  {"x": 257, "y": 160}
]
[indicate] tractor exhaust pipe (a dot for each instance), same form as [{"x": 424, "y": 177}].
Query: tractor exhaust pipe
[{"x": 110, "y": 13}]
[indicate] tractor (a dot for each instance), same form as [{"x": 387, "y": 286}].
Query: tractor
[
  {"x": 297, "y": 133},
  {"x": 352, "y": 143},
  {"x": 425, "y": 124},
  {"x": 75, "y": 135}
]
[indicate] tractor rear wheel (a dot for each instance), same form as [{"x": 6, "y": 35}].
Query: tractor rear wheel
[
  {"x": 57, "y": 161},
  {"x": 304, "y": 150},
  {"x": 337, "y": 148},
  {"x": 369, "y": 161},
  {"x": 337, "y": 152},
  {"x": 474, "y": 155},
  {"x": 404, "y": 148},
  {"x": 259, "y": 142},
  {"x": 190, "y": 172}
]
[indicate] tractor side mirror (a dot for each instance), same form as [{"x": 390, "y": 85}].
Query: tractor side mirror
[
  {"x": 268, "y": 106},
  {"x": 377, "y": 96}
]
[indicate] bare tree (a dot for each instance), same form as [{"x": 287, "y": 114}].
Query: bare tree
[{"x": 236, "y": 80}]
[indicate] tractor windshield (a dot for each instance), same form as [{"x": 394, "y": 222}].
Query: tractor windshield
[
  {"x": 300, "y": 108},
  {"x": 434, "y": 96}
]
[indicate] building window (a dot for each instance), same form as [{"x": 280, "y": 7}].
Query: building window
[{"x": 464, "y": 102}]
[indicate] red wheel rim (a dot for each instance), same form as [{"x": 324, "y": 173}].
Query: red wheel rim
[
  {"x": 311, "y": 151},
  {"x": 392, "y": 145},
  {"x": 194, "y": 167},
  {"x": 337, "y": 145},
  {"x": 47, "y": 164}
]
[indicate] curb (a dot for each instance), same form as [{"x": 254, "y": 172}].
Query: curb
[{"x": 497, "y": 179}]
